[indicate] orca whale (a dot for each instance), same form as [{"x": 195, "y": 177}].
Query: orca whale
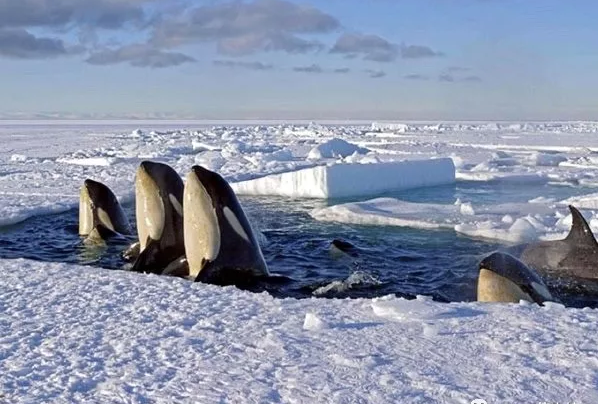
[
  {"x": 220, "y": 244},
  {"x": 575, "y": 256},
  {"x": 159, "y": 218},
  {"x": 100, "y": 213},
  {"x": 504, "y": 278}
]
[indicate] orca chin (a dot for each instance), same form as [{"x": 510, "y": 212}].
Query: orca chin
[
  {"x": 149, "y": 208},
  {"x": 220, "y": 244},
  {"x": 159, "y": 217},
  {"x": 504, "y": 278},
  {"x": 100, "y": 213},
  {"x": 496, "y": 288}
]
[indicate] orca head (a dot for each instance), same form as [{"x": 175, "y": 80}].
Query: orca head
[
  {"x": 158, "y": 196},
  {"x": 214, "y": 222},
  {"x": 504, "y": 278},
  {"x": 98, "y": 206}
]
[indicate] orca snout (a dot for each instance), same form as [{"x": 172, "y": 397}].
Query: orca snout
[
  {"x": 497, "y": 261},
  {"x": 96, "y": 190}
]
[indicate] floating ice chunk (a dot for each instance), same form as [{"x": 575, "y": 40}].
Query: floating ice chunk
[
  {"x": 508, "y": 222},
  {"x": 136, "y": 133},
  {"x": 356, "y": 280},
  {"x": 393, "y": 212},
  {"x": 545, "y": 159},
  {"x": 348, "y": 180},
  {"x": 335, "y": 148},
  {"x": 519, "y": 232},
  {"x": 523, "y": 229}
]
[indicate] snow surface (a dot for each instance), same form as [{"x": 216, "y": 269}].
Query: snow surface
[
  {"x": 350, "y": 180},
  {"x": 80, "y": 334},
  {"x": 335, "y": 148},
  {"x": 75, "y": 334}
]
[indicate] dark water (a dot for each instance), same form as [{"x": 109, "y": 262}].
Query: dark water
[{"x": 389, "y": 260}]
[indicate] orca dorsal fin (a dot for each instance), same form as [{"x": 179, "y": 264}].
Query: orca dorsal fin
[{"x": 580, "y": 230}]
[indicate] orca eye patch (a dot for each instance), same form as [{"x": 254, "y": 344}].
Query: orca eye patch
[{"x": 234, "y": 223}]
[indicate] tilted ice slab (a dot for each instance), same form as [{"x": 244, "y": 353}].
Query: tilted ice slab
[
  {"x": 506, "y": 223},
  {"x": 76, "y": 334},
  {"x": 349, "y": 180}
]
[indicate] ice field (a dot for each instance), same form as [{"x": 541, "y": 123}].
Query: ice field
[{"x": 71, "y": 333}]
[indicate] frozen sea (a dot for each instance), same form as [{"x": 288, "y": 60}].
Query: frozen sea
[{"x": 75, "y": 328}]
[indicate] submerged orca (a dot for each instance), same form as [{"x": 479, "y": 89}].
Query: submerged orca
[
  {"x": 219, "y": 242},
  {"x": 100, "y": 214},
  {"x": 576, "y": 256},
  {"x": 504, "y": 278},
  {"x": 159, "y": 217}
]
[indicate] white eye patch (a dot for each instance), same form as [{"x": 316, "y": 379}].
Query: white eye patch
[
  {"x": 105, "y": 219},
  {"x": 176, "y": 204},
  {"x": 234, "y": 223}
]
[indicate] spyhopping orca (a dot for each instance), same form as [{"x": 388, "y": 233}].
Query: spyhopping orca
[
  {"x": 504, "y": 278},
  {"x": 159, "y": 216},
  {"x": 219, "y": 243},
  {"x": 100, "y": 214}
]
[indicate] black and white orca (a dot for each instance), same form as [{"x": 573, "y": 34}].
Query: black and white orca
[
  {"x": 159, "y": 218},
  {"x": 100, "y": 213},
  {"x": 504, "y": 278},
  {"x": 220, "y": 244},
  {"x": 574, "y": 257}
]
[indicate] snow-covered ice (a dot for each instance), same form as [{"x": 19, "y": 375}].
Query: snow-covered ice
[
  {"x": 83, "y": 334},
  {"x": 335, "y": 148},
  {"x": 74, "y": 334}
]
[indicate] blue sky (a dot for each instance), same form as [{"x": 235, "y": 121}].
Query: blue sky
[{"x": 282, "y": 59}]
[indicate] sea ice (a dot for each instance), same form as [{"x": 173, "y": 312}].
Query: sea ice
[{"x": 350, "y": 180}]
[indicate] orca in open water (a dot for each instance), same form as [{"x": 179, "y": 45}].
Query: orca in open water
[{"x": 100, "y": 213}]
